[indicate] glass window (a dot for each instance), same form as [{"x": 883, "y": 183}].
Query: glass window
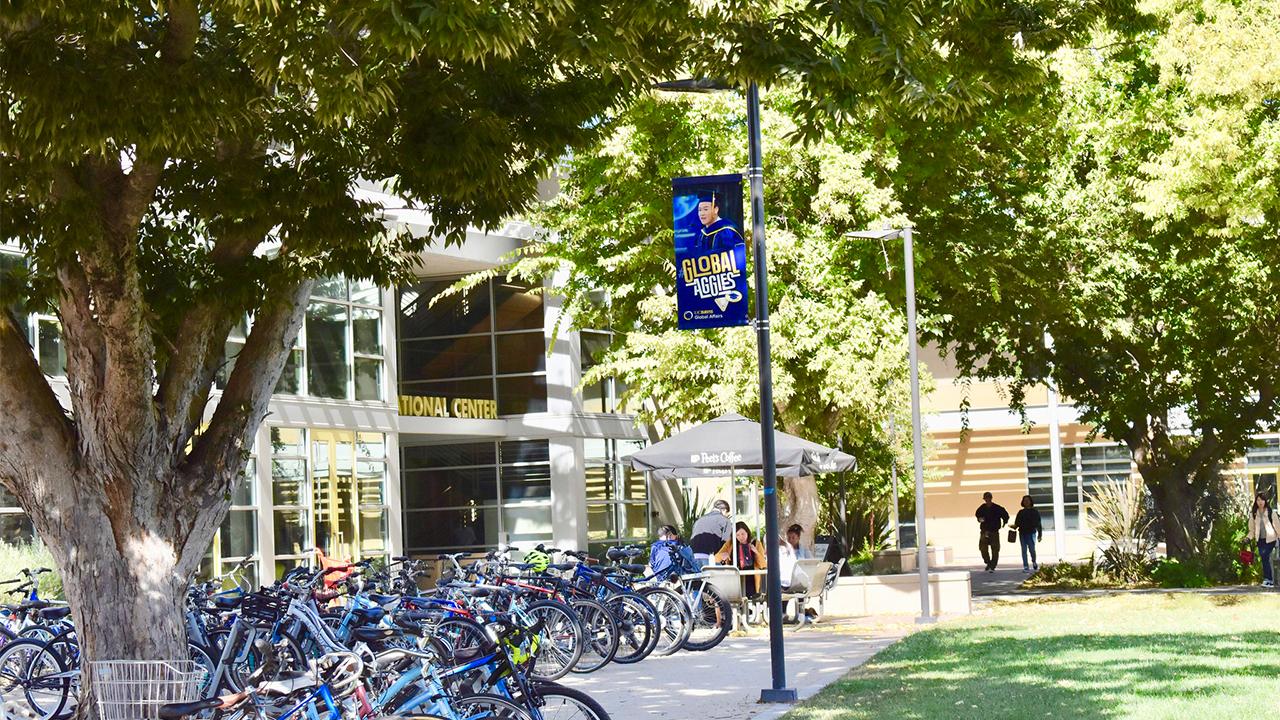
[
  {"x": 1266, "y": 451},
  {"x": 617, "y": 496},
  {"x": 327, "y": 350},
  {"x": 291, "y": 532},
  {"x": 460, "y": 313},
  {"x": 368, "y": 380},
  {"x": 466, "y": 356},
  {"x": 1084, "y": 469},
  {"x": 53, "y": 356},
  {"x": 522, "y": 394},
  {"x": 515, "y": 307},
  {"x": 458, "y": 487},
  {"x": 239, "y": 534},
  {"x": 525, "y": 451},
  {"x": 527, "y": 523},
  {"x": 288, "y": 476},
  {"x": 476, "y": 389},
  {"x": 597, "y": 397},
  {"x": 453, "y": 455},
  {"x": 366, "y": 330},
  {"x": 365, "y": 292},
  {"x": 521, "y": 353},
  {"x": 290, "y": 382},
  {"x": 330, "y": 287},
  {"x": 463, "y": 528},
  {"x": 15, "y": 528}
]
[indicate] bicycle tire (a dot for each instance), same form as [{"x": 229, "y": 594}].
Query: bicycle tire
[
  {"x": 584, "y": 706},
  {"x": 65, "y": 649},
  {"x": 712, "y": 619},
  {"x": 15, "y": 659},
  {"x": 637, "y": 622},
  {"x": 676, "y": 622},
  {"x": 486, "y": 706},
  {"x": 560, "y": 642},
  {"x": 601, "y": 631}
]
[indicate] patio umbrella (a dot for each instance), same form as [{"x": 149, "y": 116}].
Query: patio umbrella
[{"x": 730, "y": 446}]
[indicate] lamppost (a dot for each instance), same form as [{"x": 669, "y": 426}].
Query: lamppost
[
  {"x": 926, "y": 616},
  {"x": 779, "y": 693}
]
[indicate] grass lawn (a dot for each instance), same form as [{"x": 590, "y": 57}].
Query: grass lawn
[{"x": 1176, "y": 656}]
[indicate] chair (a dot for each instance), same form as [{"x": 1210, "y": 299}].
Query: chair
[
  {"x": 832, "y": 577},
  {"x": 808, "y": 582},
  {"x": 728, "y": 581}
]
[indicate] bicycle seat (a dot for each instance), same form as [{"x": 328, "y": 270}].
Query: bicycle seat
[
  {"x": 383, "y": 599},
  {"x": 34, "y": 604},
  {"x": 408, "y": 625},
  {"x": 467, "y": 654},
  {"x": 55, "y": 613},
  {"x": 368, "y": 615},
  {"x": 372, "y": 634},
  {"x": 560, "y": 566},
  {"x": 633, "y": 568},
  {"x": 178, "y": 711},
  {"x": 227, "y": 602},
  {"x": 287, "y": 683}
]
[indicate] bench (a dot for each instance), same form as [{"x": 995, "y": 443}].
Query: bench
[{"x": 808, "y": 582}]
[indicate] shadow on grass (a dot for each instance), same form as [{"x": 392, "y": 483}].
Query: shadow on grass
[{"x": 996, "y": 672}]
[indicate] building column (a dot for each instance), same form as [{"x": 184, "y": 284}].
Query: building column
[
  {"x": 568, "y": 493},
  {"x": 1055, "y": 467},
  {"x": 266, "y": 509}
]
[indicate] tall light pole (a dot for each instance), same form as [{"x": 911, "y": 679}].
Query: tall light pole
[
  {"x": 1055, "y": 465},
  {"x": 779, "y": 692},
  {"x": 926, "y": 615}
]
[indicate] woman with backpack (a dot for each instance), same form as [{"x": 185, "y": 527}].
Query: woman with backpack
[{"x": 1262, "y": 529}]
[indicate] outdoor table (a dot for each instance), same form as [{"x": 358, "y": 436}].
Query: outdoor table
[{"x": 747, "y": 601}]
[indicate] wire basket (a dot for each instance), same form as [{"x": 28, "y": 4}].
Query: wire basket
[
  {"x": 135, "y": 689},
  {"x": 262, "y": 608}
]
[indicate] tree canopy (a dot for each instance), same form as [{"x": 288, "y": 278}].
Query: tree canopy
[{"x": 1132, "y": 216}]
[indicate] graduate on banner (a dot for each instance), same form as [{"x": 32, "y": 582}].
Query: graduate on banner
[{"x": 711, "y": 256}]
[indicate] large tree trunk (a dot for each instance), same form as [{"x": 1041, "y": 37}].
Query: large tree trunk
[
  {"x": 801, "y": 508},
  {"x": 1176, "y": 495}
]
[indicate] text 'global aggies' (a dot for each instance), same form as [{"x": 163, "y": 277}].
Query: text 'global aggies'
[{"x": 711, "y": 257}]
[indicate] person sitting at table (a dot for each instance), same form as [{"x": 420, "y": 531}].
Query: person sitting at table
[
  {"x": 747, "y": 554},
  {"x": 786, "y": 563}
]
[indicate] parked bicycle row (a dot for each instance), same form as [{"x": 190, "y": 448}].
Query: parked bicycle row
[{"x": 356, "y": 641}]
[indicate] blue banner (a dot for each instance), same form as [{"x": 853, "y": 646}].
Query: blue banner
[{"x": 711, "y": 257}]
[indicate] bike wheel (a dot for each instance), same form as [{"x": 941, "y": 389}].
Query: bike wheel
[
  {"x": 675, "y": 620},
  {"x": 560, "y": 641},
  {"x": 601, "y": 633},
  {"x": 289, "y": 657},
  {"x": 565, "y": 703},
  {"x": 712, "y": 616},
  {"x": 15, "y": 661},
  {"x": 637, "y": 622},
  {"x": 484, "y": 706},
  {"x": 63, "y": 651},
  {"x": 458, "y": 634}
]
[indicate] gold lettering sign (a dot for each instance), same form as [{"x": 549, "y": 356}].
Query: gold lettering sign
[{"x": 431, "y": 406}]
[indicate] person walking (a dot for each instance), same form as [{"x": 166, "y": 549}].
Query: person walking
[
  {"x": 710, "y": 532},
  {"x": 1262, "y": 529},
  {"x": 1030, "y": 530},
  {"x": 991, "y": 517}
]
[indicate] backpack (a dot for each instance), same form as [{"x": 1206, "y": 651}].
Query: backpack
[{"x": 671, "y": 557}]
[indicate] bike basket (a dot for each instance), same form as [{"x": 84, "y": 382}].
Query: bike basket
[
  {"x": 135, "y": 689},
  {"x": 263, "y": 608}
]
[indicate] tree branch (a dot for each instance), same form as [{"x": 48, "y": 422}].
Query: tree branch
[
  {"x": 219, "y": 452},
  {"x": 37, "y": 440}
]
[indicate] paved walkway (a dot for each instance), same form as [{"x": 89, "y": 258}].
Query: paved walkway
[{"x": 724, "y": 683}]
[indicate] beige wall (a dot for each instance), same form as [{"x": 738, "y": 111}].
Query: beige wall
[{"x": 988, "y": 461}]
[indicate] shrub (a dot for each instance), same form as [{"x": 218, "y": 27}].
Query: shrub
[
  {"x": 17, "y": 557},
  {"x": 1071, "y": 576},
  {"x": 1119, "y": 519},
  {"x": 1172, "y": 574}
]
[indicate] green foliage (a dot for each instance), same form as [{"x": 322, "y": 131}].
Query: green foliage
[
  {"x": 690, "y": 512},
  {"x": 1118, "y": 518},
  {"x": 1071, "y": 576},
  {"x": 1172, "y": 573},
  {"x": 1132, "y": 214},
  {"x": 1220, "y": 561},
  {"x": 29, "y": 555}
]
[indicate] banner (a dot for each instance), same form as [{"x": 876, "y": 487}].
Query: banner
[{"x": 711, "y": 256}]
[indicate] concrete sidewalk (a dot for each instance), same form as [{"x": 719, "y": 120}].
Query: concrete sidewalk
[{"x": 724, "y": 683}]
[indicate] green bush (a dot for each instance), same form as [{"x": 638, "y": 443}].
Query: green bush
[
  {"x": 1071, "y": 576},
  {"x": 33, "y": 554},
  {"x": 1220, "y": 561},
  {"x": 1170, "y": 573}
]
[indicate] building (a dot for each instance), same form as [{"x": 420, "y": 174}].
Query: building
[{"x": 988, "y": 449}]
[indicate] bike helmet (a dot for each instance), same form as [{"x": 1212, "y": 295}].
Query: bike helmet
[{"x": 537, "y": 560}]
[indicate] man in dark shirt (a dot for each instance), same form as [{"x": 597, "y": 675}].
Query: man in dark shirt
[{"x": 991, "y": 517}]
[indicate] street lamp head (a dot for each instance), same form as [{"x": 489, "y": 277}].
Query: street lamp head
[
  {"x": 694, "y": 85},
  {"x": 876, "y": 234}
]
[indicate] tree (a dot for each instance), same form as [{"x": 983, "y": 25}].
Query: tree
[
  {"x": 170, "y": 168},
  {"x": 1132, "y": 214},
  {"x": 838, "y": 358}
]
